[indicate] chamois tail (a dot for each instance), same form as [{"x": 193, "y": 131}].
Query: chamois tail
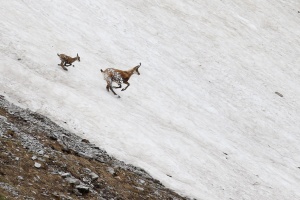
[
  {"x": 58, "y": 54},
  {"x": 101, "y": 70}
]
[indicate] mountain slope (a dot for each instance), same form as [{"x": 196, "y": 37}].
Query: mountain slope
[{"x": 202, "y": 117}]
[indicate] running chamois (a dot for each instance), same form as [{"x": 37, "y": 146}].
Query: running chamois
[
  {"x": 67, "y": 61},
  {"x": 118, "y": 76}
]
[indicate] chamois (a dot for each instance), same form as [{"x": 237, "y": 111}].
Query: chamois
[
  {"x": 67, "y": 60},
  {"x": 118, "y": 76}
]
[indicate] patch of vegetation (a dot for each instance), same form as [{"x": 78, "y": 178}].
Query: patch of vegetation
[{"x": 2, "y": 197}]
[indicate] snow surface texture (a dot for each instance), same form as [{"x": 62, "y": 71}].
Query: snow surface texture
[{"x": 202, "y": 117}]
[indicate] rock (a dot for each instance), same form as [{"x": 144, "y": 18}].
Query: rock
[
  {"x": 46, "y": 156},
  {"x": 3, "y": 118},
  {"x": 85, "y": 155},
  {"x": 65, "y": 175},
  {"x": 20, "y": 178},
  {"x": 37, "y": 165},
  {"x": 93, "y": 176},
  {"x": 33, "y": 157},
  {"x": 83, "y": 189},
  {"x": 41, "y": 159},
  {"x": 17, "y": 158},
  {"x": 111, "y": 170},
  {"x": 72, "y": 181},
  {"x": 86, "y": 180},
  {"x": 41, "y": 152},
  {"x": 53, "y": 136},
  {"x": 86, "y": 170},
  {"x": 76, "y": 192},
  {"x": 55, "y": 194},
  {"x": 279, "y": 94},
  {"x": 139, "y": 188},
  {"x": 85, "y": 141},
  {"x": 64, "y": 197}
]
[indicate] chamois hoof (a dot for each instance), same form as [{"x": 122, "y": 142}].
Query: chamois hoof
[
  {"x": 73, "y": 65},
  {"x": 122, "y": 89},
  {"x": 118, "y": 96}
]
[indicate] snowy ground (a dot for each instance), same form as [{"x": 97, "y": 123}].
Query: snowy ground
[{"x": 204, "y": 109}]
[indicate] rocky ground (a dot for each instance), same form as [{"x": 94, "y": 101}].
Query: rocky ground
[{"x": 40, "y": 160}]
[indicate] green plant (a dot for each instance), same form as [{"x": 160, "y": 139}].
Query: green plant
[{"x": 2, "y": 197}]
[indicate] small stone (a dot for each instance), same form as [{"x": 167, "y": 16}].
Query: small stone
[
  {"x": 76, "y": 192},
  {"x": 55, "y": 194},
  {"x": 85, "y": 155},
  {"x": 83, "y": 189},
  {"x": 41, "y": 159},
  {"x": 41, "y": 152},
  {"x": 3, "y": 118},
  {"x": 20, "y": 178},
  {"x": 65, "y": 175},
  {"x": 85, "y": 141},
  {"x": 279, "y": 94},
  {"x": 93, "y": 176},
  {"x": 86, "y": 170},
  {"x": 64, "y": 197},
  {"x": 86, "y": 180},
  {"x": 33, "y": 157},
  {"x": 17, "y": 158},
  {"x": 37, "y": 165},
  {"x": 46, "y": 156},
  {"x": 139, "y": 188},
  {"x": 53, "y": 137},
  {"x": 72, "y": 181},
  {"x": 111, "y": 170}
]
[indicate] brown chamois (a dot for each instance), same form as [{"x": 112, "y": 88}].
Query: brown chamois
[
  {"x": 118, "y": 76},
  {"x": 67, "y": 60}
]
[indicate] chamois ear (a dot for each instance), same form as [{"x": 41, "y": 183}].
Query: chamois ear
[
  {"x": 78, "y": 58},
  {"x": 139, "y": 65}
]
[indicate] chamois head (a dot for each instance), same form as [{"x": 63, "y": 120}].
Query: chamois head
[
  {"x": 78, "y": 58},
  {"x": 136, "y": 69}
]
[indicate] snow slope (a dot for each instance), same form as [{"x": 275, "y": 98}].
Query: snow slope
[{"x": 202, "y": 117}]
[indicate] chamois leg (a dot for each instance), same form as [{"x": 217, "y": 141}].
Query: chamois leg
[
  {"x": 111, "y": 88},
  {"x": 63, "y": 66},
  {"x": 107, "y": 86},
  {"x": 126, "y": 86},
  {"x": 62, "y": 62}
]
